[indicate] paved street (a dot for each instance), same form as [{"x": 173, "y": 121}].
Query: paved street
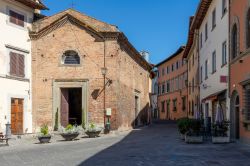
[{"x": 158, "y": 145}]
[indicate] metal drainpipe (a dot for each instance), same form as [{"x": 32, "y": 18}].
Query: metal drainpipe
[{"x": 104, "y": 87}]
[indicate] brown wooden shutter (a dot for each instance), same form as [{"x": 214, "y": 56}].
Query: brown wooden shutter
[
  {"x": 13, "y": 63},
  {"x": 20, "y": 20},
  {"x": 16, "y": 18},
  {"x": 13, "y": 17},
  {"x": 20, "y": 69},
  {"x": 17, "y": 64}
]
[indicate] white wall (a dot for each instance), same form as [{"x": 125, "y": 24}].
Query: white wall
[
  {"x": 214, "y": 42},
  {"x": 17, "y": 37}
]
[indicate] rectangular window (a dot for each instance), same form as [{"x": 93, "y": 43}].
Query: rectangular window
[
  {"x": 16, "y": 18},
  {"x": 224, "y": 7},
  {"x": 193, "y": 59},
  {"x": 172, "y": 67},
  {"x": 163, "y": 88},
  {"x": 184, "y": 103},
  {"x": 175, "y": 105},
  {"x": 214, "y": 19},
  {"x": 167, "y": 70},
  {"x": 201, "y": 40},
  {"x": 224, "y": 53},
  {"x": 193, "y": 85},
  {"x": 189, "y": 64},
  {"x": 201, "y": 74},
  {"x": 189, "y": 87},
  {"x": 206, "y": 71},
  {"x": 163, "y": 72},
  {"x": 17, "y": 64},
  {"x": 163, "y": 106},
  {"x": 167, "y": 87},
  {"x": 177, "y": 65},
  {"x": 214, "y": 62},
  {"x": 206, "y": 32}
]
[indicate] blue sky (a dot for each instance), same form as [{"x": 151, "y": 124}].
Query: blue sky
[{"x": 158, "y": 26}]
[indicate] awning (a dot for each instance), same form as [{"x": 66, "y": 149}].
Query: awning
[{"x": 215, "y": 96}]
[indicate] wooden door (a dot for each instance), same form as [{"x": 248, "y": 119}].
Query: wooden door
[
  {"x": 64, "y": 107},
  {"x": 17, "y": 116}
]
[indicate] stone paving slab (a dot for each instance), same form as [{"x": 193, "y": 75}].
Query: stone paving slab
[{"x": 157, "y": 145}]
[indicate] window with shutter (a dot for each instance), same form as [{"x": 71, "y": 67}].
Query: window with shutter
[
  {"x": 16, "y": 18},
  {"x": 17, "y": 65}
]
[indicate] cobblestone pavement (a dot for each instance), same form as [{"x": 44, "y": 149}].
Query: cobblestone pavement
[{"x": 158, "y": 145}]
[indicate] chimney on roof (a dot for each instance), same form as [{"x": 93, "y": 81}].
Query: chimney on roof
[{"x": 145, "y": 55}]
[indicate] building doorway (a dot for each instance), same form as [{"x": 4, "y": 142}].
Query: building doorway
[
  {"x": 136, "y": 123},
  {"x": 71, "y": 106},
  {"x": 16, "y": 116},
  {"x": 235, "y": 116}
]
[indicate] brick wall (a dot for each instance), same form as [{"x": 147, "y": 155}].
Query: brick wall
[{"x": 127, "y": 75}]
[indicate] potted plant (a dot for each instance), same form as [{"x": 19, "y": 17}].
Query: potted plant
[
  {"x": 183, "y": 126},
  {"x": 194, "y": 134},
  {"x": 93, "y": 131},
  {"x": 70, "y": 132},
  {"x": 44, "y": 136},
  {"x": 219, "y": 132}
]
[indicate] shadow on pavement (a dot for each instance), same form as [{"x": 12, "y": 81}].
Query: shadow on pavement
[{"x": 139, "y": 147}]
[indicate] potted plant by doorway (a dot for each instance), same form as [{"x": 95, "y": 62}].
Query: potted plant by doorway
[
  {"x": 194, "y": 134},
  {"x": 93, "y": 131},
  {"x": 219, "y": 132},
  {"x": 70, "y": 132},
  {"x": 44, "y": 136},
  {"x": 183, "y": 126}
]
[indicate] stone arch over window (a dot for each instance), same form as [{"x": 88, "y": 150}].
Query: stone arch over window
[
  {"x": 234, "y": 38},
  {"x": 70, "y": 57}
]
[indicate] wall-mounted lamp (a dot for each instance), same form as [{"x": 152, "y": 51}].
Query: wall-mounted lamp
[{"x": 104, "y": 71}]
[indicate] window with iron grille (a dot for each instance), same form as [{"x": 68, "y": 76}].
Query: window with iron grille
[
  {"x": 16, "y": 18},
  {"x": 247, "y": 103},
  {"x": 71, "y": 57},
  {"x": 17, "y": 64}
]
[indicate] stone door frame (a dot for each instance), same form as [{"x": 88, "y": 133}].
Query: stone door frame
[{"x": 69, "y": 83}]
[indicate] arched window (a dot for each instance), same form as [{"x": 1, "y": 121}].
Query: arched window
[
  {"x": 70, "y": 57},
  {"x": 248, "y": 29},
  {"x": 234, "y": 41}
]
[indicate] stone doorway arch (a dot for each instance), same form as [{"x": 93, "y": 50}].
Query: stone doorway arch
[{"x": 235, "y": 116}]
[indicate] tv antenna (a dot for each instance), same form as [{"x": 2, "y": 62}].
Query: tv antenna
[{"x": 73, "y": 4}]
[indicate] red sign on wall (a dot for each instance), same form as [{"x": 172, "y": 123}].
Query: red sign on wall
[{"x": 223, "y": 79}]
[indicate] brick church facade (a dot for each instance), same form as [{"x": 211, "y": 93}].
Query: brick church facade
[{"x": 70, "y": 52}]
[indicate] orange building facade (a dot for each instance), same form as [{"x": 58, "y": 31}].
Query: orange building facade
[
  {"x": 172, "y": 89},
  {"x": 240, "y": 70}
]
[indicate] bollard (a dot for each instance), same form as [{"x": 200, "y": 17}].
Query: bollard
[{"x": 8, "y": 130}]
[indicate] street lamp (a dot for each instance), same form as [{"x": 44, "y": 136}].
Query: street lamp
[{"x": 104, "y": 71}]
